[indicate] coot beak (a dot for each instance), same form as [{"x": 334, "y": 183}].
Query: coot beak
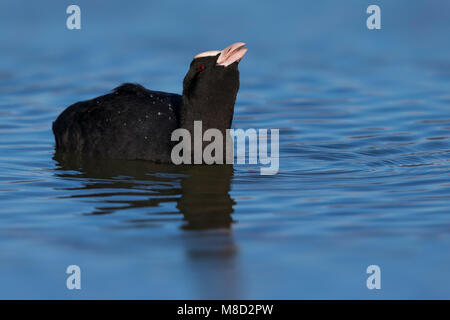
[{"x": 231, "y": 54}]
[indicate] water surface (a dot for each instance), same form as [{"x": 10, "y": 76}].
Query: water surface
[{"x": 364, "y": 119}]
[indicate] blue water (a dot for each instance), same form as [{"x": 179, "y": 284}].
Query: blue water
[{"x": 364, "y": 119}]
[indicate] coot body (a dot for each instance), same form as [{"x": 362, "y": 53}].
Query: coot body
[
  {"x": 133, "y": 122},
  {"x": 130, "y": 123}
]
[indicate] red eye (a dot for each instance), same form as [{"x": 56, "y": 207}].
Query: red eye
[{"x": 201, "y": 67}]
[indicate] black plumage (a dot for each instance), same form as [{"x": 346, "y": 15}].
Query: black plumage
[
  {"x": 129, "y": 123},
  {"x": 133, "y": 122}
]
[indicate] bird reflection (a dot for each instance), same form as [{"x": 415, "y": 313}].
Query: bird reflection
[{"x": 201, "y": 192}]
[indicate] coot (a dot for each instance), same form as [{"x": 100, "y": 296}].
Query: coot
[{"x": 133, "y": 122}]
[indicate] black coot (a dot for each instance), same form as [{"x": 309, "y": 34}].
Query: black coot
[{"x": 133, "y": 122}]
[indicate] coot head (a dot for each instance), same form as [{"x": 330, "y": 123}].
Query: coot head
[{"x": 210, "y": 87}]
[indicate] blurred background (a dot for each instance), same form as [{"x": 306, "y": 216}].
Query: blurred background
[{"x": 364, "y": 119}]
